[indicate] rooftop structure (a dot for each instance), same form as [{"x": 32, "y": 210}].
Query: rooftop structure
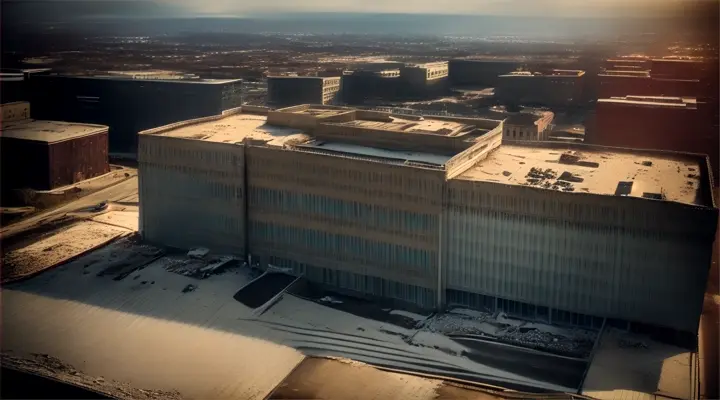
[
  {"x": 237, "y": 128},
  {"x": 528, "y": 126},
  {"x": 48, "y": 131},
  {"x": 374, "y": 205}
]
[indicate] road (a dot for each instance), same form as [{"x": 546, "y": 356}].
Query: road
[
  {"x": 557, "y": 370},
  {"x": 125, "y": 190}
]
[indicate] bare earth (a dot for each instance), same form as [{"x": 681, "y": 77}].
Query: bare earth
[{"x": 45, "y": 365}]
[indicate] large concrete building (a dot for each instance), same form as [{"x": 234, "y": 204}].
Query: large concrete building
[
  {"x": 45, "y": 155},
  {"x": 284, "y": 91},
  {"x": 129, "y": 105},
  {"x": 432, "y": 212},
  {"x": 556, "y": 88}
]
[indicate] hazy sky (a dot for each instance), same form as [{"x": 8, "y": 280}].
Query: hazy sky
[{"x": 496, "y": 7}]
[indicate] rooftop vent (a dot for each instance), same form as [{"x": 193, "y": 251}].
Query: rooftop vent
[{"x": 624, "y": 188}]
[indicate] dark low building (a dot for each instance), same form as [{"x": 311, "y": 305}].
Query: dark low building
[
  {"x": 359, "y": 86},
  {"x": 472, "y": 72},
  {"x": 14, "y": 83},
  {"x": 555, "y": 88},
  {"x": 423, "y": 81},
  {"x": 44, "y": 155},
  {"x": 128, "y": 105},
  {"x": 285, "y": 91},
  {"x": 656, "y": 122}
]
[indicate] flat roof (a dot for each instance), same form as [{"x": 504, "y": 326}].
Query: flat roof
[
  {"x": 598, "y": 171},
  {"x": 374, "y": 152},
  {"x": 130, "y": 79},
  {"x": 654, "y": 101},
  {"x": 48, "y": 131},
  {"x": 304, "y": 77},
  {"x": 234, "y": 129},
  {"x": 423, "y": 126}
]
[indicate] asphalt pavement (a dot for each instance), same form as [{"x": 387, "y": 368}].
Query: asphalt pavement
[{"x": 115, "y": 193}]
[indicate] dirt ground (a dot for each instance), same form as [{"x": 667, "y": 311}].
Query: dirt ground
[
  {"x": 52, "y": 367},
  {"x": 54, "y": 248}
]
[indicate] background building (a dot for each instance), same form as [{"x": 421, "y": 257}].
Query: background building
[
  {"x": 424, "y": 80},
  {"x": 129, "y": 106},
  {"x": 482, "y": 73},
  {"x": 528, "y": 126},
  {"x": 361, "y": 85},
  {"x": 564, "y": 233},
  {"x": 651, "y": 122},
  {"x": 557, "y": 88},
  {"x": 15, "y": 83},
  {"x": 44, "y": 155},
  {"x": 286, "y": 91}
]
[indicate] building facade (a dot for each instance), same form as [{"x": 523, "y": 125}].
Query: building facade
[
  {"x": 529, "y": 126},
  {"x": 129, "y": 106},
  {"x": 482, "y": 73},
  {"x": 44, "y": 155},
  {"x": 424, "y": 80},
  {"x": 435, "y": 212},
  {"x": 360, "y": 86},
  {"x": 285, "y": 91}
]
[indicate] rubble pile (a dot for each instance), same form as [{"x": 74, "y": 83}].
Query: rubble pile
[
  {"x": 455, "y": 324},
  {"x": 534, "y": 338},
  {"x": 544, "y": 178},
  {"x": 199, "y": 268}
]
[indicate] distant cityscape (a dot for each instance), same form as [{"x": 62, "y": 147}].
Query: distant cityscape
[{"x": 456, "y": 206}]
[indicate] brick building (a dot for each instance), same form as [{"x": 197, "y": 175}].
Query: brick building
[
  {"x": 651, "y": 122},
  {"x": 45, "y": 155}
]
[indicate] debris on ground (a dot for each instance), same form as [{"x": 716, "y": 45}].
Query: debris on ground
[
  {"x": 635, "y": 344},
  {"x": 131, "y": 256},
  {"x": 189, "y": 288},
  {"x": 328, "y": 299},
  {"x": 199, "y": 268},
  {"x": 500, "y": 327},
  {"x": 198, "y": 253},
  {"x": 48, "y": 366}
]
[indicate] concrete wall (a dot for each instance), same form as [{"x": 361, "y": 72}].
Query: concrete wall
[
  {"x": 369, "y": 227},
  {"x": 192, "y": 193},
  {"x": 393, "y": 140},
  {"x": 478, "y": 152},
  {"x": 633, "y": 259},
  {"x": 16, "y": 111}
]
